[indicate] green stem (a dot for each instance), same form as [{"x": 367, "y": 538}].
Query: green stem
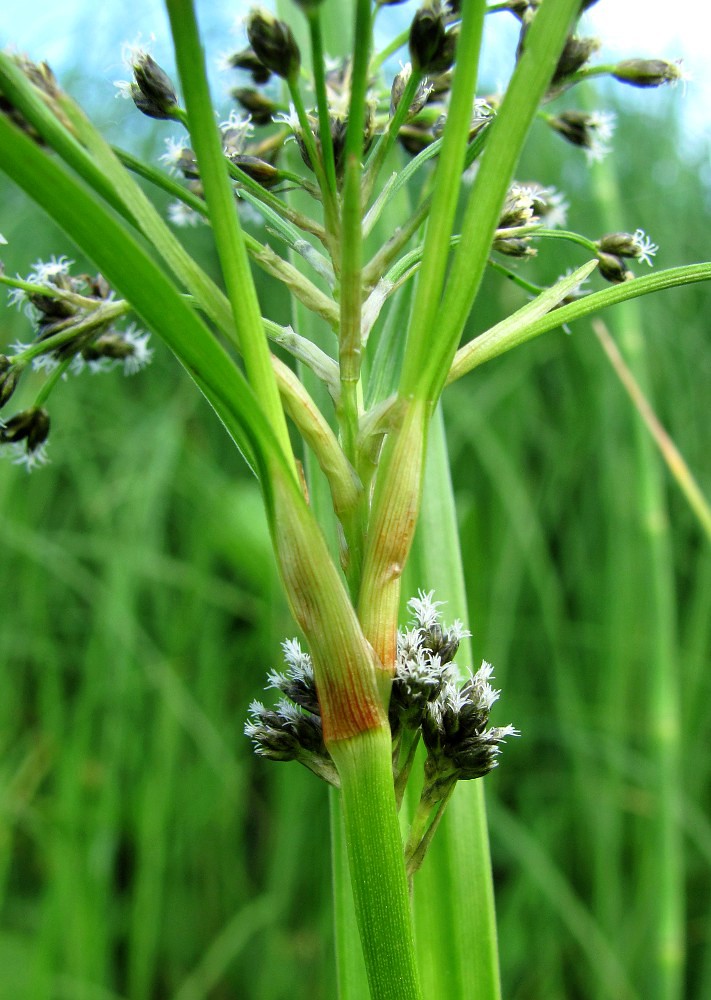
[
  {"x": 324, "y": 118},
  {"x": 75, "y": 330},
  {"x": 410, "y": 741},
  {"x": 514, "y": 277},
  {"x": 52, "y": 379},
  {"x": 350, "y": 966},
  {"x": 351, "y": 235},
  {"x": 304, "y": 222},
  {"x": 387, "y": 139},
  {"x": 491, "y": 344},
  {"x": 376, "y": 864},
  {"x": 390, "y": 49},
  {"x": 419, "y": 841},
  {"x": 307, "y": 136}
]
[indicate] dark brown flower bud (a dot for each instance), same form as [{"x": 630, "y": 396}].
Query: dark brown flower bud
[
  {"x": 637, "y": 245},
  {"x": 647, "y": 72},
  {"x": 514, "y": 247},
  {"x": 274, "y": 43},
  {"x": 156, "y": 95},
  {"x": 151, "y": 89},
  {"x": 576, "y": 53},
  {"x": 427, "y": 35},
  {"x": 30, "y": 425},
  {"x": 613, "y": 268},
  {"x": 256, "y": 104},
  {"x": 9, "y": 377},
  {"x": 259, "y": 170},
  {"x": 247, "y": 59}
]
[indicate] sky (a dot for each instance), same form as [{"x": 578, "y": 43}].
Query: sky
[{"x": 71, "y": 32}]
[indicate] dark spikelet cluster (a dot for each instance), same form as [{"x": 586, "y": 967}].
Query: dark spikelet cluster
[
  {"x": 76, "y": 322},
  {"x": 74, "y": 318},
  {"x": 427, "y": 699},
  {"x": 454, "y": 730},
  {"x": 26, "y": 434},
  {"x": 451, "y": 716},
  {"x": 150, "y": 89},
  {"x": 425, "y": 652},
  {"x": 428, "y": 695},
  {"x": 293, "y": 729}
]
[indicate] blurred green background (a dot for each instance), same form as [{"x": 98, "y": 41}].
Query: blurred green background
[{"x": 144, "y": 852}]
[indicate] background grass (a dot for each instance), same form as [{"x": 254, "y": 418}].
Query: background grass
[{"x": 145, "y": 853}]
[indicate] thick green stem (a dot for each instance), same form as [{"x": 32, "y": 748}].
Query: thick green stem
[
  {"x": 351, "y": 235},
  {"x": 376, "y": 864}
]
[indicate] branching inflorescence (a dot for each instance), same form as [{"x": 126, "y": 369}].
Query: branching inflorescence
[{"x": 413, "y": 111}]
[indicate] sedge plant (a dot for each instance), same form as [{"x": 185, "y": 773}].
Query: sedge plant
[{"x": 387, "y": 196}]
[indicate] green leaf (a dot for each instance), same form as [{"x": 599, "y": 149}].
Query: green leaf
[
  {"x": 511, "y": 333},
  {"x": 544, "y": 42},
  {"x": 455, "y": 918},
  {"x": 220, "y": 198}
]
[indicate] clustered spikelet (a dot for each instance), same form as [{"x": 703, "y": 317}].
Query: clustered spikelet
[
  {"x": 77, "y": 325},
  {"x": 150, "y": 89},
  {"x": 426, "y": 693},
  {"x": 293, "y": 729},
  {"x": 26, "y": 434},
  {"x": 428, "y": 700}
]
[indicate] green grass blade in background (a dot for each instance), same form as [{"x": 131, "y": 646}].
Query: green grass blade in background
[
  {"x": 662, "y": 862},
  {"x": 545, "y": 474},
  {"x": 454, "y": 901}
]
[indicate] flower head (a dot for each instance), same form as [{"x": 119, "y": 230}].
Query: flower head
[
  {"x": 151, "y": 89},
  {"x": 26, "y": 434},
  {"x": 174, "y": 151},
  {"x": 646, "y": 249},
  {"x": 590, "y": 130},
  {"x": 637, "y": 245},
  {"x": 454, "y": 729},
  {"x": 181, "y": 214}
]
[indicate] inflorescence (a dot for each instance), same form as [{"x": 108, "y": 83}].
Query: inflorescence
[
  {"x": 78, "y": 325},
  {"x": 75, "y": 317},
  {"x": 429, "y": 702}
]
